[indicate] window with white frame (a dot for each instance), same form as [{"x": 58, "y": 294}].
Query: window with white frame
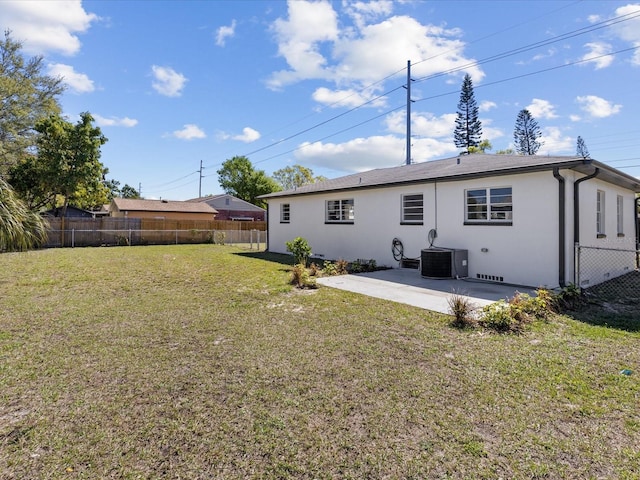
[
  {"x": 413, "y": 208},
  {"x": 285, "y": 213},
  {"x": 340, "y": 211},
  {"x": 489, "y": 205},
  {"x": 600, "y": 213},
  {"x": 620, "y": 215}
]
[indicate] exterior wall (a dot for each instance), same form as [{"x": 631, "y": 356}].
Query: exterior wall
[
  {"x": 524, "y": 253},
  {"x": 230, "y": 207},
  {"x": 244, "y": 215},
  {"x": 608, "y": 262}
]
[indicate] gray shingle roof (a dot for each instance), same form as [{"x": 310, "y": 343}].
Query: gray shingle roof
[
  {"x": 131, "y": 204},
  {"x": 458, "y": 167}
]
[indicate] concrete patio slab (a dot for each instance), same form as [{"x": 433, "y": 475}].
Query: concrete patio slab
[{"x": 405, "y": 285}]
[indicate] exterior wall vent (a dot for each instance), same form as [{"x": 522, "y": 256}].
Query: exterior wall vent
[{"x": 492, "y": 278}]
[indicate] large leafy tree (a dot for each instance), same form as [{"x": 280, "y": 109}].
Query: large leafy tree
[
  {"x": 295, "y": 176},
  {"x": 66, "y": 168},
  {"x": 26, "y": 96},
  {"x": 129, "y": 192},
  {"x": 526, "y": 134},
  {"x": 20, "y": 228},
  {"x": 468, "y": 128},
  {"x": 239, "y": 178}
]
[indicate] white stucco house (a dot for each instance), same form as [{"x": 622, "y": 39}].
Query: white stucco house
[{"x": 507, "y": 218}]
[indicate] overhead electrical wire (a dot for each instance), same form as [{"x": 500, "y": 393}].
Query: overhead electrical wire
[{"x": 499, "y": 56}]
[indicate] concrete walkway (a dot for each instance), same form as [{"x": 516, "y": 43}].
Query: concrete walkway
[{"x": 405, "y": 285}]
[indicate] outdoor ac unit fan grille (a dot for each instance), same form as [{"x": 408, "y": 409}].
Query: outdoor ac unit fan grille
[{"x": 444, "y": 263}]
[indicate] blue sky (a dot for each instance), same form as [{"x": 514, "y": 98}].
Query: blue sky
[{"x": 174, "y": 83}]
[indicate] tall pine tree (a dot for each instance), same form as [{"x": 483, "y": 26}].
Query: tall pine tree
[
  {"x": 468, "y": 128},
  {"x": 526, "y": 134},
  {"x": 581, "y": 148}
]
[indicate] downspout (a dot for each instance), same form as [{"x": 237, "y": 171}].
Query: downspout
[
  {"x": 561, "y": 228},
  {"x": 636, "y": 219},
  {"x": 576, "y": 212},
  {"x": 268, "y": 220}
]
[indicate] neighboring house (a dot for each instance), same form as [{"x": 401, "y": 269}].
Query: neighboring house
[
  {"x": 161, "y": 209},
  {"x": 512, "y": 218},
  {"x": 232, "y": 208},
  {"x": 74, "y": 212}
]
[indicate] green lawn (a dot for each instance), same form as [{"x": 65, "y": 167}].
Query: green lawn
[{"x": 201, "y": 362}]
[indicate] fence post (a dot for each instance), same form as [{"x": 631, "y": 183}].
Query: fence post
[
  {"x": 129, "y": 237},
  {"x": 251, "y": 239},
  {"x": 73, "y": 237},
  {"x": 176, "y": 236}
]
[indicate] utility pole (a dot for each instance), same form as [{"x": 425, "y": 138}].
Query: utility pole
[
  {"x": 140, "y": 189},
  {"x": 200, "y": 183},
  {"x": 408, "y": 87}
]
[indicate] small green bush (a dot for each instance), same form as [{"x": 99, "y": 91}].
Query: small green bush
[
  {"x": 335, "y": 268},
  {"x": 570, "y": 297},
  {"x": 220, "y": 237},
  {"x": 514, "y": 315},
  {"x": 363, "y": 265},
  {"x": 300, "y": 249},
  {"x": 499, "y": 316}
]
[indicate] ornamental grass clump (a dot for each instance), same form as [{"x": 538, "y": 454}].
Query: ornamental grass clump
[
  {"x": 301, "y": 278},
  {"x": 463, "y": 311}
]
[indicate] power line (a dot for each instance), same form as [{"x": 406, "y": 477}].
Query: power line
[{"x": 499, "y": 56}]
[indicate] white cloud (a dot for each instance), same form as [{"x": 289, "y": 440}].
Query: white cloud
[
  {"x": 629, "y": 31},
  {"x": 555, "y": 142},
  {"x": 541, "y": 109},
  {"x": 77, "y": 82},
  {"x": 299, "y": 38},
  {"x": 362, "y": 154},
  {"x": 489, "y": 132},
  {"x": 115, "y": 121},
  {"x": 46, "y": 26},
  {"x": 486, "y": 106},
  {"x": 225, "y": 32},
  {"x": 314, "y": 47},
  {"x": 363, "y": 12},
  {"x": 167, "y": 81},
  {"x": 422, "y": 124},
  {"x": 248, "y": 135},
  {"x": 597, "y": 107},
  {"x": 189, "y": 132},
  {"x": 595, "y": 55},
  {"x": 347, "y": 98}
]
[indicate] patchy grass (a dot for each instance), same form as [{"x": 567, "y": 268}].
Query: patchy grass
[{"x": 202, "y": 362}]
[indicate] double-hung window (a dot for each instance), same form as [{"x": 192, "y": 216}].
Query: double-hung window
[
  {"x": 340, "y": 211},
  {"x": 412, "y": 209},
  {"x": 285, "y": 213},
  {"x": 489, "y": 206},
  {"x": 600, "y": 214}
]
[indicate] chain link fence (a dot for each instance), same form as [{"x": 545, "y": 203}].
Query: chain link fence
[
  {"x": 609, "y": 273},
  {"x": 126, "y": 237}
]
